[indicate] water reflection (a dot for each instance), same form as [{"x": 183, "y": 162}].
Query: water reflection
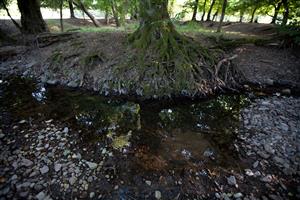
[{"x": 194, "y": 131}]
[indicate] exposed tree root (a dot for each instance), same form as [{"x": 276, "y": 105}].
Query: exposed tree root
[{"x": 165, "y": 63}]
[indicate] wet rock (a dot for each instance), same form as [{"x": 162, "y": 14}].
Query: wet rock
[
  {"x": 44, "y": 169},
  {"x": 286, "y": 91},
  {"x": 157, "y": 194}
]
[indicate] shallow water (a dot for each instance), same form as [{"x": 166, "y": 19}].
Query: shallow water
[{"x": 161, "y": 135}]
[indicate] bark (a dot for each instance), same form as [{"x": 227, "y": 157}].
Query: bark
[
  {"x": 241, "y": 16},
  {"x": 195, "y": 10},
  {"x": 222, "y": 15},
  {"x": 204, "y": 5},
  {"x": 276, "y": 10},
  {"x": 72, "y": 14},
  {"x": 210, "y": 9},
  {"x": 107, "y": 16},
  {"x": 215, "y": 15},
  {"x": 80, "y": 5},
  {"x": 61, "y": 16},
  {"x": 14, "y": 21},
  {"x": 31, "y": 17},
  {"x": 286, "y": 12},
  {"x": 115, "y": 13},
  {"x": 253, "y": 15}
]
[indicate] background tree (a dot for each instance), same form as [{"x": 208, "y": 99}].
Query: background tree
[
  {"x": 222, "y": 15},
  {"x": 3, "y": 5},
  {"x": 210, "y": 9}
]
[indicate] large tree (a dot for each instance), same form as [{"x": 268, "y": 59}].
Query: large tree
[
  {"x": 164, "y": 61},
  {"x": 31, "y": 17}
]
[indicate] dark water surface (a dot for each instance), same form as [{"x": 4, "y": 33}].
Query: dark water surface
[{"x": 178, "y": 133}]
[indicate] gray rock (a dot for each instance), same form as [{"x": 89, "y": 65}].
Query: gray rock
[
  {"x": 157, "y": 194},
  {"x": 2, "y": 135},
  {"x": 263, "y": 154},
  {"x": 231, "y": 180},
  {"x": 269, "y": 81},
  {"x": 92, "y": 195},
  {"x": 255, "y": 164},
  {"x": 66, "y": 130},
  {"x": 72, "y": 84},
  {"x": 40, "y": 196},
  {"x": 92, "y": 165},
  {"x": 57, "y": 167},
  {"x": 72, "y": 180},
  {"x": 44, "y": 169},
  {"x": 238, "y": 195},
  {"x": 27, "y": 163},
  {"x": 267, "y": 178},
  {"x": 148, "y": 182},
  {"x": 38, "y": 187},
  {"x": 23, "y": 194},
  {"x": 52, "y": 81},
  {"x": 269, "y": 149}
]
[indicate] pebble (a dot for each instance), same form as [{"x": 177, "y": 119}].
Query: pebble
[
  {"x": 148, "y": 182},
  {"x": 267, "y": 178},
  {"x": 157, "y": 194},
  {"x": 92, "y": 165},
  {"x": 231, "y": 180},
  {"x": 66, "y": 130},
  {"x": 26, "y": 162},
  {"x": 92, "y": 195},
  {"x": 57, "y": 167},
  {"x": 238, "y": 195},
  {"x": 44, "y": 169},
  {"x": 41, "y": 196},
  {"x": 72, "y": 180}
]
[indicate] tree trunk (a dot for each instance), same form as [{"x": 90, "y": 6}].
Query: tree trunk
[
  {"x": 106, "y": 16},
  {"x": 222, "y": 15},
  {"x": 204, "y": 5},
  {"x": 115, "y": 13},
  {"x": 31, "y": 17},
  {"x": 215, "y": 15},
  {"x": 72, "y": 14},
  {"x": 210, "y": 9},
  {"x": 195, "y": 10},
  {"x": 276, "y": 10},
  {"x": 253, "y": 15},
  {"x": 80, "y": 5},
  {"x": 14, "y": 21},
  {"x": 61, "y": 16},
  {"x": 241, "y": 16},
  {"x": 286, "y": 12}
]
